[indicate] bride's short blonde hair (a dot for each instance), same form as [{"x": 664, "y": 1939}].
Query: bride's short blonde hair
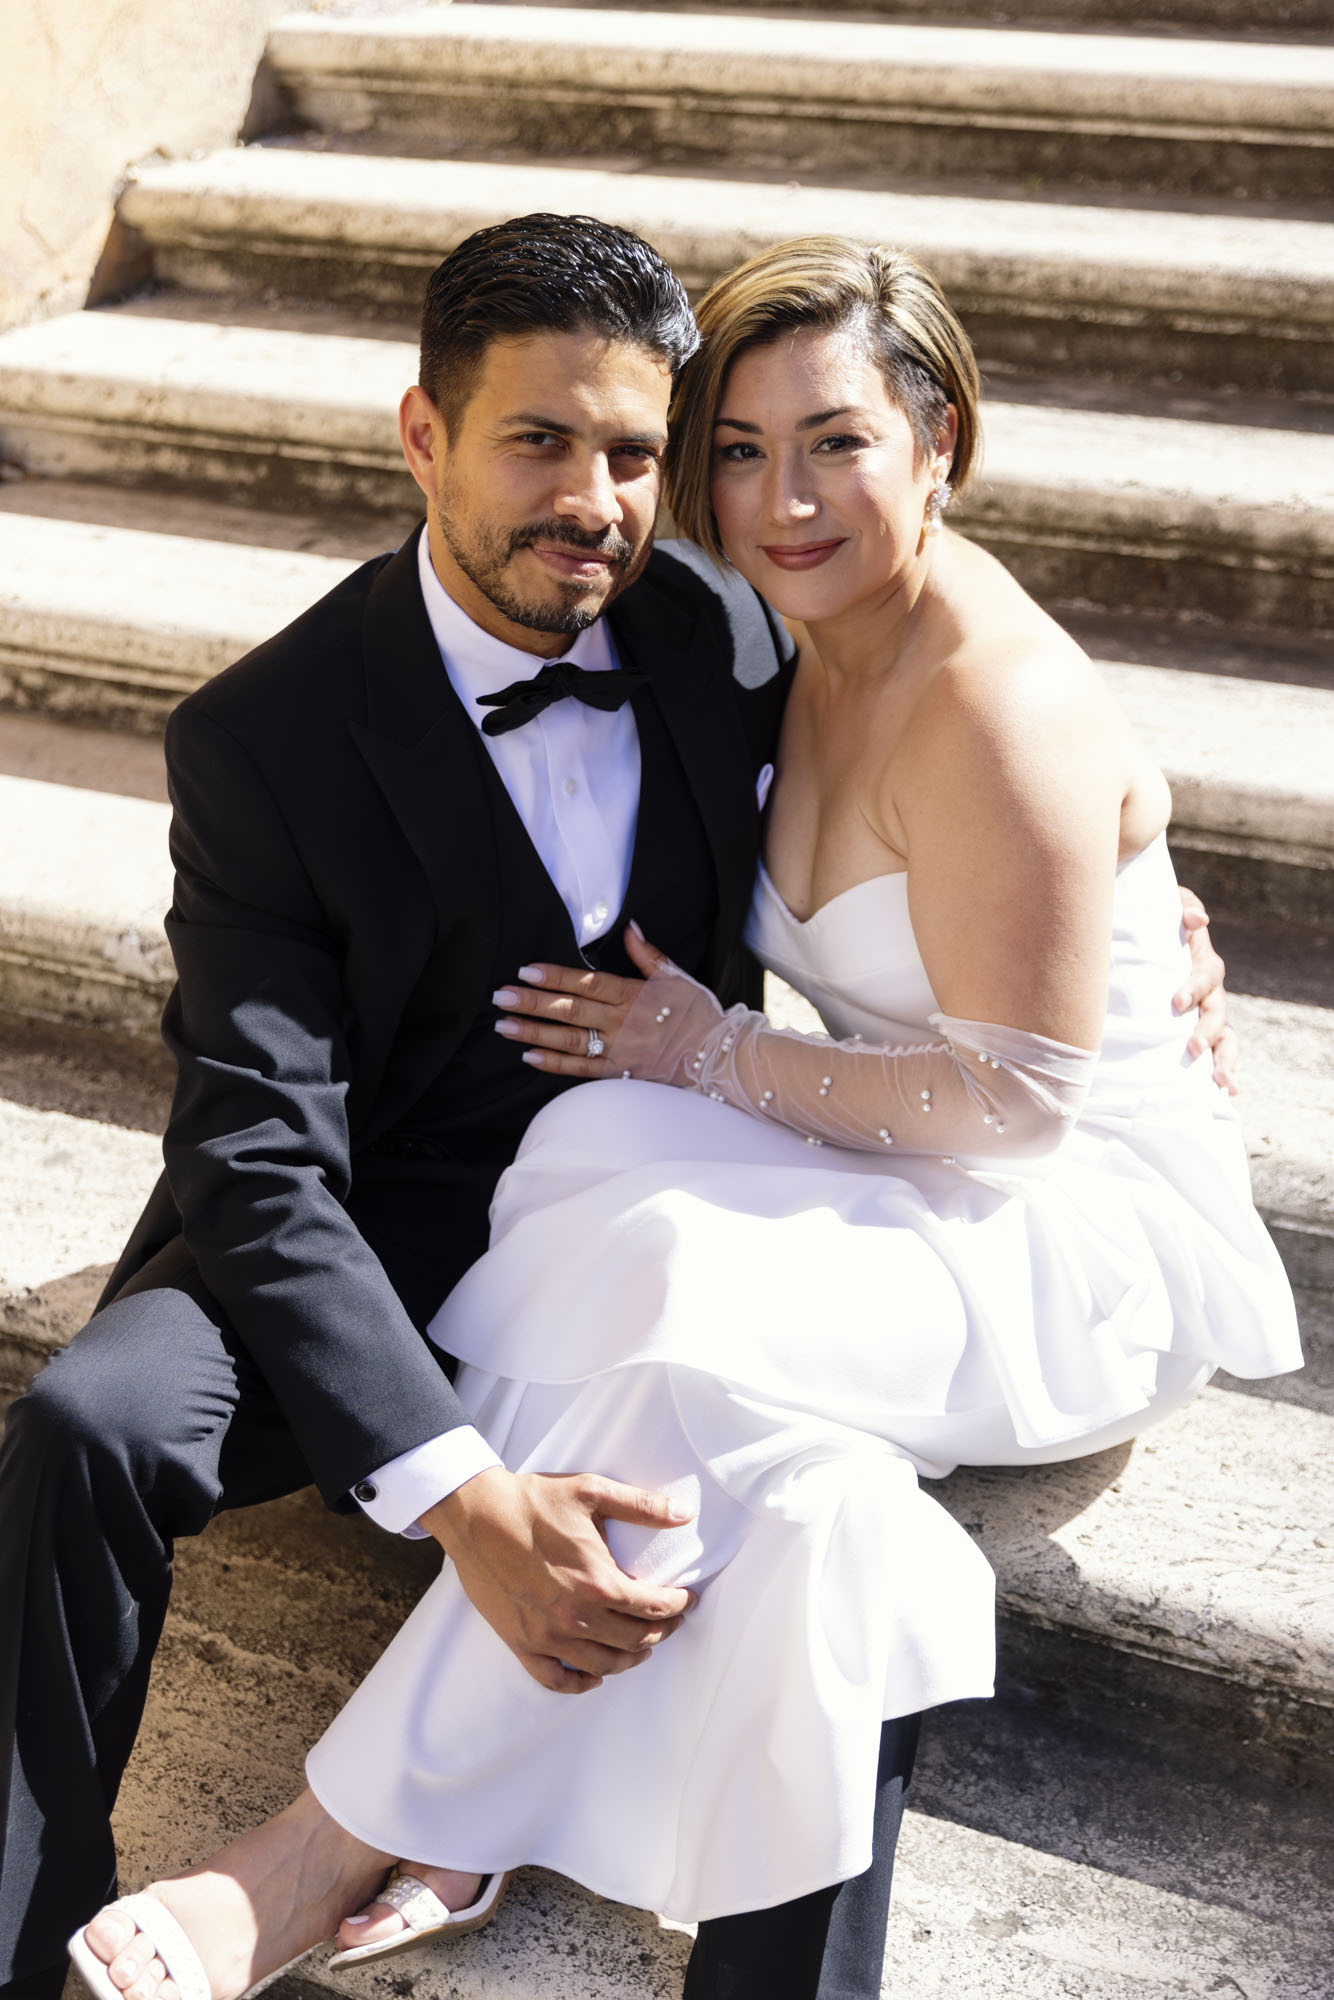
[{"x": 882, "y": 296}]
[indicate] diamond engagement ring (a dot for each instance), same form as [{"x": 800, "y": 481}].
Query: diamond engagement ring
[{"x": 595, "y": 1044}]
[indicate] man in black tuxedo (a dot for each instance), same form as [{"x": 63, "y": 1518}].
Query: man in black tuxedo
[{"x": 358, "y": 867}]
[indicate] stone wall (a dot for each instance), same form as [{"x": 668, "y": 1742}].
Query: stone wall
[{"x": 86, "y": 87}]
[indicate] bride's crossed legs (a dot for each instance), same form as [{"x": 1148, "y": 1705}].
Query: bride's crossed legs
[{"x": 262, "y": 1901}]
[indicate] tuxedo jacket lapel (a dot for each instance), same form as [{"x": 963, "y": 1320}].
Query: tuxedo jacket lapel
[
  {"x": 423, "y": 752},
  {"x": 420, "y": 748},
  {"x": 653, "y": 629}
]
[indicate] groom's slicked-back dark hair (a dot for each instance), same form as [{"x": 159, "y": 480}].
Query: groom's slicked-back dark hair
[{"x": 546, "y": 274}]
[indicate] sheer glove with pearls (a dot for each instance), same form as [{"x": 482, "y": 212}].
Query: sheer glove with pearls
[{"x": 980, "y": 1091}]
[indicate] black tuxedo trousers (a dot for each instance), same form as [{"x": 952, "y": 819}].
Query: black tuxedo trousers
[{"x": 352, "y": 882}]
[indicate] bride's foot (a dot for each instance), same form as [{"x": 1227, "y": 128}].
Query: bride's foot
[
  {"x": 263, "y": 1900},
  {"x": 380, "y": 1921}
]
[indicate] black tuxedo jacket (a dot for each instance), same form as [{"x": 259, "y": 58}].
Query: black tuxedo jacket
[{"x": 334, "y": 927}]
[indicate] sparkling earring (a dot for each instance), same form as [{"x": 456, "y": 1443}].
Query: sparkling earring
[{"x": 937, "y": 501}]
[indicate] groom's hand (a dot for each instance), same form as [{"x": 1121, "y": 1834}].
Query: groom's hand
[
  {"x": 530, "y": 1552},
  {"x": 1204, "y": 989}
]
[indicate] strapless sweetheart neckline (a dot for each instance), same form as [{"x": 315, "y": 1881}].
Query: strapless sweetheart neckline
[
  {"x": 804, "y": 923},
  {"x": 900, "y": 875}
]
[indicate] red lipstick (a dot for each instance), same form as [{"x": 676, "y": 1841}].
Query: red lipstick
[{"x": 801, "y": 555}]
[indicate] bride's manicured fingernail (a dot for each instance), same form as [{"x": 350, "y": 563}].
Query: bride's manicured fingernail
[
  {"x": 364, "y": 1918},
  {"x": 505, "y": 996},
  {"x": 635, "y": 928},
  {"x": 505, "y": 1026},
  {"x": 533, "y": 974},
  {"x": 535, "y": 1057}
]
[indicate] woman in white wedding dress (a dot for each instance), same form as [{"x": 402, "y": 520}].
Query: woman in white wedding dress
[{"x": 1000, "y": 1216}]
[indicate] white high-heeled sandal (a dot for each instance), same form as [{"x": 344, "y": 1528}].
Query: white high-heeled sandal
[
  {"x": 168, "y": 1940},
  {"x": 424, "y": 1917}
]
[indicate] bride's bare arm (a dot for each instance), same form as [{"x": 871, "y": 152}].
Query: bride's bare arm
[
  {"x": 1010, "y": 794},
  {"x": 1011, "y": 817}
]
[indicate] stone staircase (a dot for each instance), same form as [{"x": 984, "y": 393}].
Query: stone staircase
[{"x": 1130, "y": 205}]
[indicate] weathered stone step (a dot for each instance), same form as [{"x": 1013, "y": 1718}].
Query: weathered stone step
[
  {"x": 1251, "y": 766},
  {"x": 1258, "y": 18},
  {"x": 1288, "y": 1112},
  {"x": 1210, "y": 299},
  {"x": 1234, "y": 652},
  {"x": 1203, "y": 118},
  {"x": 84, "y": 881},
  {"x": 1093, "y": 508},
  {"x": 1111, "y": 1553},
  {"x": 81, "y": 1113},
  {"x": 1159, "y": 515},
  {"x": 53, "y": 751},
  {"x": 116, "y": 625},
  {"x": 266, "y": 415}
]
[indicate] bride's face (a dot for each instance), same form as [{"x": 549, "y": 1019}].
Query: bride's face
[{"x": 818, "y": 486}]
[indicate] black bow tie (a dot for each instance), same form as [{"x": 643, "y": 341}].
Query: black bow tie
[{"x": 520, "y": 702}]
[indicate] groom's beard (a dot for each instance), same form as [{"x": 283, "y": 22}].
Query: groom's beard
[{"x": 484, "y": 554}]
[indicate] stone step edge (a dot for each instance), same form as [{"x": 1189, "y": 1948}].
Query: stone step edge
[
  {"x": 81, "y": 922},
  {"x": 77, "y": 392},
  {"x": 1223, "y": 1677},
  {"x": 158, "y": 612},
  {"x": 1305, "y": 1244},
  {"x": 1200, "y": 1549},
  {"x": 74, "y": 605},
  {"x": 1287, "y": 17},
  {"x": 1202, "y": 270},
  {"x": 881, "y": 71},
  {"x": 115, "y": 625}
]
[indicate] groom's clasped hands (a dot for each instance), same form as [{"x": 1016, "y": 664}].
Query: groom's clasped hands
[{"x": 531, "y": 1554}]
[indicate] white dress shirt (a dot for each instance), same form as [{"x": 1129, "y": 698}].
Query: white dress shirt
[{"x": 573, "y": 774}]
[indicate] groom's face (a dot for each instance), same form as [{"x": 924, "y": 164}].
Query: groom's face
[{"x": 544, "y": 490}]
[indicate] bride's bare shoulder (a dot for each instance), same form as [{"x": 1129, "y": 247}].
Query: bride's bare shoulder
[{"x": 1001, "y": 655}]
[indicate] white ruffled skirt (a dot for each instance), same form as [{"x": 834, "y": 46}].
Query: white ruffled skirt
[{"x": 680, "y": 1296}]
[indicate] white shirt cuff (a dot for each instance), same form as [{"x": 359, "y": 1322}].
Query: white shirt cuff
[{"x": 399, "y": 1494}]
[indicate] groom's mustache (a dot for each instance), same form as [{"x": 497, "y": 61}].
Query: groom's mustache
[{"x": 612, "y": 546}]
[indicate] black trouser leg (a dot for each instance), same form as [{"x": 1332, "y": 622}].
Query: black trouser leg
[
  {"x": 149, "y": 1421},
  {"x": 827, "y": 1946}
]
